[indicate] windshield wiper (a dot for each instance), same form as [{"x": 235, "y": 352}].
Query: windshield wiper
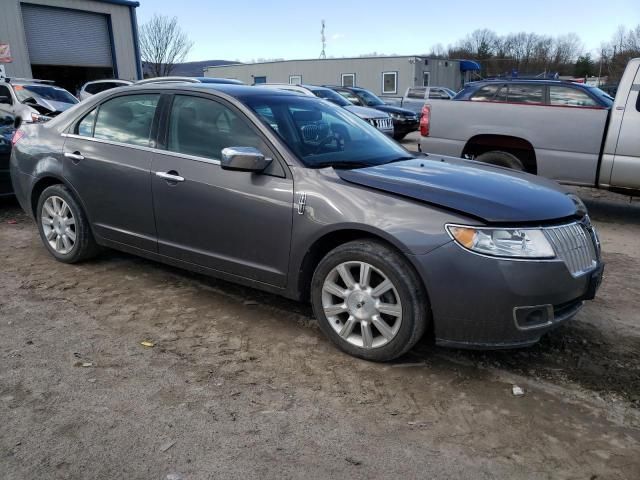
[
  {"x": 401, "y": 159},
  {"x": 342, "y": 165}
]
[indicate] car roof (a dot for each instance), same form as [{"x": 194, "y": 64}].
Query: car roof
[
  {"x": 233, "y": 90},
  {"x": 543, "y": 81},
  {"x": 103, "y": 80}
]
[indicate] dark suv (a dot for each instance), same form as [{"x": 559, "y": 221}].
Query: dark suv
[
  {"x": 404, "y": 121},
  {"x": 515, "y": 91}
]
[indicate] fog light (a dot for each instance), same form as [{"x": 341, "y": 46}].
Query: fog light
[{"x": 533, "y": 317}]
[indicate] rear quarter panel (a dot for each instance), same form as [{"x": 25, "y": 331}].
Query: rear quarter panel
[{"x": 566, "y": 140}]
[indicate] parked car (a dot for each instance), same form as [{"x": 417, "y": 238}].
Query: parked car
[
  {"x": 294, "y": 195},
  {"x": 381, "y": 120},
  {"x": 415, "y": 97},
  {"x": 229, "y": 81},
  {"x": 97, "y": 86},
  {"x": 404, "y": 121},
  {"x": 6, "y": 132},
  {"x": 25, "y": 101},
  {"x": 570, "y": 132}
]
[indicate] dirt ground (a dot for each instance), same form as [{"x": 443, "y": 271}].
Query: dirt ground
[{"x": 242, "y": 384}]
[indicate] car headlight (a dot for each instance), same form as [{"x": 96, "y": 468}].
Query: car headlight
[
  {"x": 397, "y": 116},
  {"x": 503, "y": 242},
  {"x": 37, "y": 118}
]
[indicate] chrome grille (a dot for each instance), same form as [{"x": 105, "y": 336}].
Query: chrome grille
[
  {"x": 575, "y": 244},
  {"x": 381, "y": 123}
]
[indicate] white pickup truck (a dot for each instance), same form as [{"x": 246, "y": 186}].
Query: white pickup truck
[{"x": 561, "y": 130}]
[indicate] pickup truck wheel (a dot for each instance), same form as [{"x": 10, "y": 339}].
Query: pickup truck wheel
[
  {"x": 63, "y": 226},
  {"x": 501, "y": 159},
  {"x": 369, "y": 301}
]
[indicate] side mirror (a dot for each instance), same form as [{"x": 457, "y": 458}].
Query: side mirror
[
  {"x": 244, "y": 159},
  {"x": 5, "y": 100}
]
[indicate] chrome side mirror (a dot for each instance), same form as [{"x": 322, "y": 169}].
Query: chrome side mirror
[{"x": 244, "y": 159}]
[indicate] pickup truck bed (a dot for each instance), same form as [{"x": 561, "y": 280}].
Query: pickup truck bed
[{"x": 594, "y": 146}]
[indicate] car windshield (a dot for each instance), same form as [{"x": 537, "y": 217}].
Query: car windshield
[
  {"x": 369, "y": 98},
  {"x": 333, "y": 97},
  {"x": 44, "y": 92},
  {"x": 323, "y": 135},
  {"x": 602, "y": 95}
]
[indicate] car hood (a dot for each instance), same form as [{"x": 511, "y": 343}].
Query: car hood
[
  {"x": 50, "y": 106},
  {"x": 396, "y": 110},
  {"x": 366, "y": 112},
  {"x": 492, "y": 194}
]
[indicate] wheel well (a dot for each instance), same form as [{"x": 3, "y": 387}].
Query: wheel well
[
  {"x": 518, "y": 147},
  {"x": 324, "y": 245},
  {"x": 37, "y": 190}
]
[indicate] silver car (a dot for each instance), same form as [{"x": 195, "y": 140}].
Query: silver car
[
  {"x": 33, "y": 101},
  {"x": 296, "y": 196},
  {"x": 381, "y": 120},
  {"x": 97, "y": 86}
]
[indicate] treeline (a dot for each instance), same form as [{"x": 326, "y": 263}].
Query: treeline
[{"x": 533, "y": 54}]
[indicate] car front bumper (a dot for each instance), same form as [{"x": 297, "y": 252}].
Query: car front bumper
[
  {"x": 405, "y": 126},
  {"x": 484, "y": 302}
]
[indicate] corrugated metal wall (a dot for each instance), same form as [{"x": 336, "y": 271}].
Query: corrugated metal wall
[
  {"x": 54, "y": 34},
  {"x": 12, "y": 32}
]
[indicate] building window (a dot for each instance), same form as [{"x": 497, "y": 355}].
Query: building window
[
  {"x": 426, "y": 79},
  {"x": 389, "y": 82},
  {"x": 348, "y": 80},
  {"x": 295, "y": 79},
  {"x": 257, "y": 80}
]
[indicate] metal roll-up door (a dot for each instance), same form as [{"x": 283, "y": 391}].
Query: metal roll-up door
[{"x": 57, "y": 36}]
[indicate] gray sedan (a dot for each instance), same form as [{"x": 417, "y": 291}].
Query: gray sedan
[{"x": 295, "y": 196}]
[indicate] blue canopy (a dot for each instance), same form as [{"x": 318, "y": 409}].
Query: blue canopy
[{"x": 469, "y": 66}]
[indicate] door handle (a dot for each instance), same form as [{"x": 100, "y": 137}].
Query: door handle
[
  {"x": 74, "y": 156},
  {"x": 170, "y": 177}
]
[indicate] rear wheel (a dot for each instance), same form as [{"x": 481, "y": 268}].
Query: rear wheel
[
  {"x": 501, "y": 159},
  {"x": 369, "y": 301},
  {"x": 63, "y": 226}
]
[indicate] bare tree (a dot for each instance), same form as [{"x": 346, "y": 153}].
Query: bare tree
[{"x": 163, "y": 44}]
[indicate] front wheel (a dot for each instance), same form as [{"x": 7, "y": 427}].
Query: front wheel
[
  {"x": 501, "y": 159},
  {"x": 369, "y": 301}
]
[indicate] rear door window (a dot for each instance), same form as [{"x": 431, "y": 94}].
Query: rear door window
[
  {"x": 417, "y": 93},
  {"x": 485, "y": 94},
  {"x": 528, "y": 94},
  {"x": 570, "y": 97},
  {"x": 127, "y": 119}
]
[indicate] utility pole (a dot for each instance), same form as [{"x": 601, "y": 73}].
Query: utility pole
[{"x": 323, "y": 53}]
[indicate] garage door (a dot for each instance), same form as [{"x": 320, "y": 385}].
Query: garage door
[{"x": 57, "y": 36}]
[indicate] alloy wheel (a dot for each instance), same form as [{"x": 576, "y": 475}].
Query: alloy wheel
[
  {"x": 362, "y": 304},
  {"x": 58, "y": 224}
]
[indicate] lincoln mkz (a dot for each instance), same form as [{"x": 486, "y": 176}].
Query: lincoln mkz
[{"x": 295, "y": 196}]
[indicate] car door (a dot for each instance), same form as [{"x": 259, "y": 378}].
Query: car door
[
  {"x": 107, "y": 160},
  {"x": 230, "y": 221},
  {"x": 626, "y": 162}
]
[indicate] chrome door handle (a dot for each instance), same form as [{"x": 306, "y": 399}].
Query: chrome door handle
[
  {"x": 170, "y": 177},
  {"x": 73, "y": 156}
]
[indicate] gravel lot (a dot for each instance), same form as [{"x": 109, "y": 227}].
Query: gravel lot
[{"x": 241, "y": 384}]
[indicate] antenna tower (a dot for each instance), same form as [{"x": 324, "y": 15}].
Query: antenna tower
[{"x": 323, "y": 53}]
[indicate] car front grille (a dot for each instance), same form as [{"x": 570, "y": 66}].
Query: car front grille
[
  {"x": 576, "y": 244},
  {"x": 381, "y": 123}
]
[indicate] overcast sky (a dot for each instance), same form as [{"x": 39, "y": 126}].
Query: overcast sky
[{"x": 245, "y": 30}]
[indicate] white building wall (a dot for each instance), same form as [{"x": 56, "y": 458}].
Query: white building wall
[{"x": 368, "y": 72}]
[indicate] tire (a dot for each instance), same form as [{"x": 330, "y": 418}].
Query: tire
[
  {"x": 347, "y": 328},
  {"x": 399, "y": 136},
  {"x": 501, "y": 159},
  {"x": 51, "y": 227}
]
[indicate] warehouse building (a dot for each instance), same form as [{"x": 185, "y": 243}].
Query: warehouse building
[
  {"x": 70, "y": 41},
  {"x": 385, "y": 76}
]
